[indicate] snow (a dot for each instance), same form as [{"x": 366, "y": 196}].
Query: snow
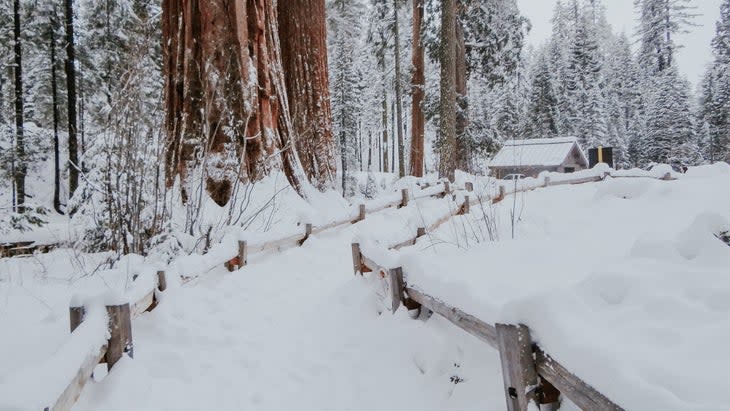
[
  {"x": 39, "y": 385},
  {"x": 535, "y": 152},
  {"x": 623, "y": 281}
]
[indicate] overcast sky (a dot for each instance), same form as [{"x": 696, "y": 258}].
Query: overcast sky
[{"x": 692, "y": 58}]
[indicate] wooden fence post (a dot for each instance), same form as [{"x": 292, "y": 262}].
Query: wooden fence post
[
  {"x": 502, "y": 194},
  {"x": 307, "y": 233},
  {"x": 518, "y": 366},
  {"x": 465, "y": 207},
  {"x": 361, "y": 213},
  {"x": 161, "y": 286},
  {"x": 397, "y": 288},
  {"x": 469, "y": 186},
  {"x": 242, "y": 254},
  {"x": 356, "y": 259},
  {"x": 547, "y": 181},
  {"x": 76, "y": 316},
  {"x": 161, "y": 281},
  {"x": 120, "y": 331},
  {"x": 447, "y": 188},
  {"x": 404, "y": 198}
]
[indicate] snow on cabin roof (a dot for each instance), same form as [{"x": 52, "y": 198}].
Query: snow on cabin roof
[{"x": 535, "y": 152}]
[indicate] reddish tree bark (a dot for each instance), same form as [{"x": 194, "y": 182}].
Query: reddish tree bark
[
  {"x": 418, "y": 84},
  {"x": 227, "y": 112},
  {"x": 303, "y": 34}
]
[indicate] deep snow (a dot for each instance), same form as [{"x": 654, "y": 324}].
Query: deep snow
[{"x": 623, "y": 281}]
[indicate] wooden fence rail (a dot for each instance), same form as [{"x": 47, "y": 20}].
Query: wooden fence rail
[{"x": 530, "y": 375}]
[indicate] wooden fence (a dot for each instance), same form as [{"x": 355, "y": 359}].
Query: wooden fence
[
  {"x": 120, "y": 316},
  {"x": 18, "y": 248},
  {"x": 521, "y": 366},
  {"x": 530, "y": 375}
]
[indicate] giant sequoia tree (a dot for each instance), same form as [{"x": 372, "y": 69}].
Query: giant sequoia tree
[
  {"x": 227, "y": 111},
  {"x": 303, "y": 34}
]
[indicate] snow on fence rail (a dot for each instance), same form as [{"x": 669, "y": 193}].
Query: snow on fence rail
[{"x": 101, "y": 326}]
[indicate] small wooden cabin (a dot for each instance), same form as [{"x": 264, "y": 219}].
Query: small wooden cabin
[{"x": 531, "y": 157}]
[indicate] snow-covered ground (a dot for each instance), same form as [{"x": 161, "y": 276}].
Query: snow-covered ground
[{"x": 623, "y": 281}]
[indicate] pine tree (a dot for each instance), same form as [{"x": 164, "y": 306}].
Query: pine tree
[
  {"x": 622, "y": 99},
  {"x": 715, "y": 92},
  {"x": 585, "y": 83},
  {"x": 542, "y": 110},
  {"x": 345, "y": 85},
  {"x": 659, "y": 23},
  {"x": 669, "y": 125}
]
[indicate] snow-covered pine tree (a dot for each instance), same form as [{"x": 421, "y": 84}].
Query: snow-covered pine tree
[
  {"x": 667, "y": 116},
  {"x": 659, "y": 23},
  {"x": 585, "y": 86},
  {"x": 542, "y": 110},
  {"x": 345, "y": 31},
  {"x": 622, "y": 99},
  {"x": 715, "y": 92},
  {"x": 669, "y": 127}
]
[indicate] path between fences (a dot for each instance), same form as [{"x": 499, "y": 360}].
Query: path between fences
[{"x": 530, "y": 375}]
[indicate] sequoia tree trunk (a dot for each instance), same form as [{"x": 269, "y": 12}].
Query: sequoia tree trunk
[
  {"x": 418, "y": 84},
  {"x": 447, "y": 126},
  {"x": 227, "y": 112},
  {"x": 303, "y": 34}
]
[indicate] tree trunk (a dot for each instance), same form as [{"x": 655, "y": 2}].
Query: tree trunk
[
  {"x": 418, "y": 84},
  {"x": 20, "y": 166},
  {"x": 54, "y": 98},
  {"x": 70, "y": 67},
  {"x": 447, "y": 127},
  {"x": 462, "y": 104},
  {"x": 303, "y": 34},
  {"x": 398, "y": 93},
  {"x": 381, "y": 66},
  {"x": 227, "y": 111}
]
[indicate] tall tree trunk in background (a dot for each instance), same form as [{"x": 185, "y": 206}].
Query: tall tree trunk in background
[
  {"x": 20, "y": 166},
  {"x": 227, "y": 111},
  {"x": 398, "y": 93},
  {"x": 303, "y": 35},
  {"x": 418, "y": 84},
  {"x": 462, "y": 104},
  {"x": 70, "y": 68},
  {"x": 384, "y": 124},
  {"x": 54, "y": 98},
  {"x": 447, "y": 126}
]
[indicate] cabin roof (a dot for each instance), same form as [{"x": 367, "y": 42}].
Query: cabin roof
[{"x": 544, "y": 152}]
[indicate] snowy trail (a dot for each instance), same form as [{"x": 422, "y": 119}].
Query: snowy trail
[{"x": 296, "y": 330}]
